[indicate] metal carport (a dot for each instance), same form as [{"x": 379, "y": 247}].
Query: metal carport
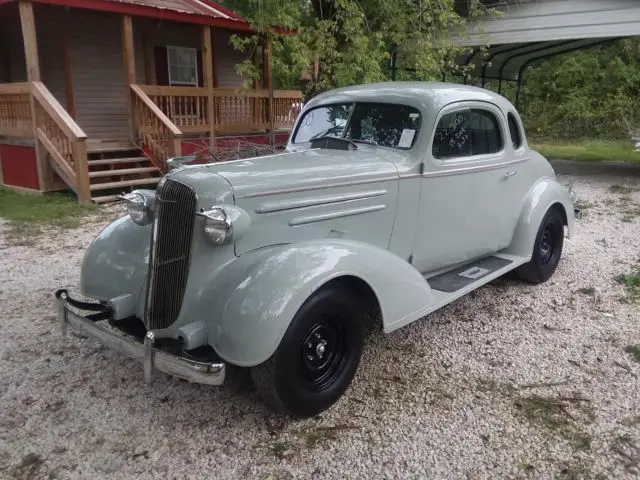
[{"x": 503, "y": 46}]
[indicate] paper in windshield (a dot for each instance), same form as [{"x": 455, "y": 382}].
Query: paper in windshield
[{"x": 406, "y": 139}]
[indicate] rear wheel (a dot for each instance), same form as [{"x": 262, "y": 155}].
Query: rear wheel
[
  {"x": 547, "y": 249},
  {"x": 317, "y": 357}
]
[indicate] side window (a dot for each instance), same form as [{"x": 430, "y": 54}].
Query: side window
[
  {"x": 467, "y": 132},
  {"x": 514, "y": 130}
]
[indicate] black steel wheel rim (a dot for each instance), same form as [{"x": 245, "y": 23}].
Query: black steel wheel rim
[
  {"x": 548, "y": 244},
  {"x": 324, "y": 353}
]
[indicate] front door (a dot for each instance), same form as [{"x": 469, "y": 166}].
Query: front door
[{"x": 469, "y": 204}]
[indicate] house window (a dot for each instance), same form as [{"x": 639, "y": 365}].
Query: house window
[
  {"x": 183, "y": 65},
  {"x": 465, "y": 133}
]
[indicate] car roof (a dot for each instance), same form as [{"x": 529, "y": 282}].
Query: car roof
[{"x": 425, "y": 96}]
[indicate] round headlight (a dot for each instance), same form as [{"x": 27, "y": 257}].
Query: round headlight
[
  {"x": 138, "y": 208},
  {"x": 217, "y": 225}
]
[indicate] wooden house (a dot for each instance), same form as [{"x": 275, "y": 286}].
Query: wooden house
[{"x": 95, "y": 95}]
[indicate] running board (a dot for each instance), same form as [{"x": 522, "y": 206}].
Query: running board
[{"x": 449, "y": 286}]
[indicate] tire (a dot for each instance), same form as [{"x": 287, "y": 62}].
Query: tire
[
  {"x": 303, "y": 378},
  {"x": 547, "y": 249}
]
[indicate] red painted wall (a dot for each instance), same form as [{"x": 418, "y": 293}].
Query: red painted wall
[{"x": 19, "y": 166}]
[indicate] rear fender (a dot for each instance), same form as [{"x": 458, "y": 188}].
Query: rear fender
[
  {"x": 264, "y": 290},
  {"x": 542, "y": 196}
]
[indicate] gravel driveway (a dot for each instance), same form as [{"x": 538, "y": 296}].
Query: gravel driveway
[{"x": 512, "y": 381}]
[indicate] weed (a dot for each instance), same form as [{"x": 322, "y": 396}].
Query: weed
[
  {"x": 318, "y": 435},
  {"x": 583, "y": 205},
  {"x": 619, "y": 189},
  {"x": 624, "y": 439},
  {"x": 526, "y": 467},
  {"x": 553, "y": 415},
  {"x": 281, "y": 448},
  {"x": 631, "y": 281},
  {"x": 575, "y": 471},
  {"x": 586, "y": 290},
  {"x": 634, "y": 351},
  {"x": 28, "y": 466}
]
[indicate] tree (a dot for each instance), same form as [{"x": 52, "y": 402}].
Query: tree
[
  {"x": 592, "y": 93},
  {"x": 350, "y": 41}
]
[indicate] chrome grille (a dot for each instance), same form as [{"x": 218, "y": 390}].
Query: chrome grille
[{"x": 170, "y": 253}]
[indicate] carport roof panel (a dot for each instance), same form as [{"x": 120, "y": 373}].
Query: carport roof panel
[
  {"x": 506, "y": 61},
  {"x": 555, "y": 20}
]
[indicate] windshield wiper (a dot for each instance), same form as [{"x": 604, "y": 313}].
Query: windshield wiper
[
  {"x": 366, "y": 142},
  {"x": 338, "y": 143}
]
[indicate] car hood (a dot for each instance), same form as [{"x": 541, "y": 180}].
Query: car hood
[
  {"x": 302, "y": 195},
  {"x": 308, "y": 170}
]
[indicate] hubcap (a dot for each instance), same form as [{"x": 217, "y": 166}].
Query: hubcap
[
  {"x": 323, "y": 354},
  {"x": 547, "y": 247}
]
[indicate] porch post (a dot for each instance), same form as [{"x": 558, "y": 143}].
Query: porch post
[
  {"x": 128, "y": 56},
  {"x": 66, "y": 61},
  {"x": 30, "y": 42},
  {"x": 268, "y": 76},
  {"x": 207, "y": 61},
  {"x": 28, "y": 23}
]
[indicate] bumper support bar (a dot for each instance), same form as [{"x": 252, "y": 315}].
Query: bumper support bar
[{"x": 151, "y": 357}]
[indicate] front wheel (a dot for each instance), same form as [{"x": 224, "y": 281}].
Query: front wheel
[
  {"x": 317, "y": 358},
  {"x": 547, "y": 249}
]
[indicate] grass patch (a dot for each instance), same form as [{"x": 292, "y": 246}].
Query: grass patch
[
  {"x": 631, "y": 282},
  {"x": 588, "y": 150},
  {"x": 28, "y": 214},
  {"x": 553, "y": 415},
  {"x": 281, "y": 449},
  {"x": 620, "y": 189},
  {"x": 634, "y": 351},
  {"x": 313, "y": 437},
  {"x": 29, "y": 466}
]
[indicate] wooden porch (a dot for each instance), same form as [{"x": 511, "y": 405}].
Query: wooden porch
[{"x": 160, "y": 117}]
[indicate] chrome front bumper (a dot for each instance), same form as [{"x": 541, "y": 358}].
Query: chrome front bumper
[{"x": 151, "y": 357}]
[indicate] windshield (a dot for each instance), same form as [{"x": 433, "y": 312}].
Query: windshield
[{"x": 387, "y": 125}]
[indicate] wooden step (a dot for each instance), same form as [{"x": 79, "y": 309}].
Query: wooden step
[
  {"x": 102, "y": 147},
  {"x": 122, "y": 171},
  {"x": 113, "y": 161},
  {"x": 125, "y": 183}
]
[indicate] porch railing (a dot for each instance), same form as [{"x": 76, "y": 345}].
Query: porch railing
[
  {"x": 235, "y": 110},
  {"x": 63, "y": 139},
  {"x": 15, "y": 110},
  {"x": 154, "y": 130}
]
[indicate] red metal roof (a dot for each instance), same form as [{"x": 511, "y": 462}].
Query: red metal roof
[
  {"x": 193, "y": 7},
  {"x": 203, "y": 12}
]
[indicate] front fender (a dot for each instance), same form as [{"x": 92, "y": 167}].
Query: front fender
[
  {"x": 545, "y": 193},
  {"x": 117, "y": 260},
  {"x": 265, "y": 289}
]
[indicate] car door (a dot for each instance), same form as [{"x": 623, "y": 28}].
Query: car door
[{"x": 468, "y": 206}]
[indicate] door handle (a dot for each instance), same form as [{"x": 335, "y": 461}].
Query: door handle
[{"x": 510, "y": 173}]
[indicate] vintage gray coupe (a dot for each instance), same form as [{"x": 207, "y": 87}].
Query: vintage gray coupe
[{"x": 391, "y": 201}]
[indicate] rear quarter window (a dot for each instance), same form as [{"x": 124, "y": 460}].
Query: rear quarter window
[{"x": 514, "y": 131}]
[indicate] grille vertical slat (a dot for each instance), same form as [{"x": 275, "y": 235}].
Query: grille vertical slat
[{"x": 171, "y": 251}]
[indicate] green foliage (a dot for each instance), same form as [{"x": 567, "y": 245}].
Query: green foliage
[
  {"x": 634, "y": 351},
  {"x": 350, "y": 40},
  {"x": 631, "y": 281},
  {"x": 593, "y": 93}
]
